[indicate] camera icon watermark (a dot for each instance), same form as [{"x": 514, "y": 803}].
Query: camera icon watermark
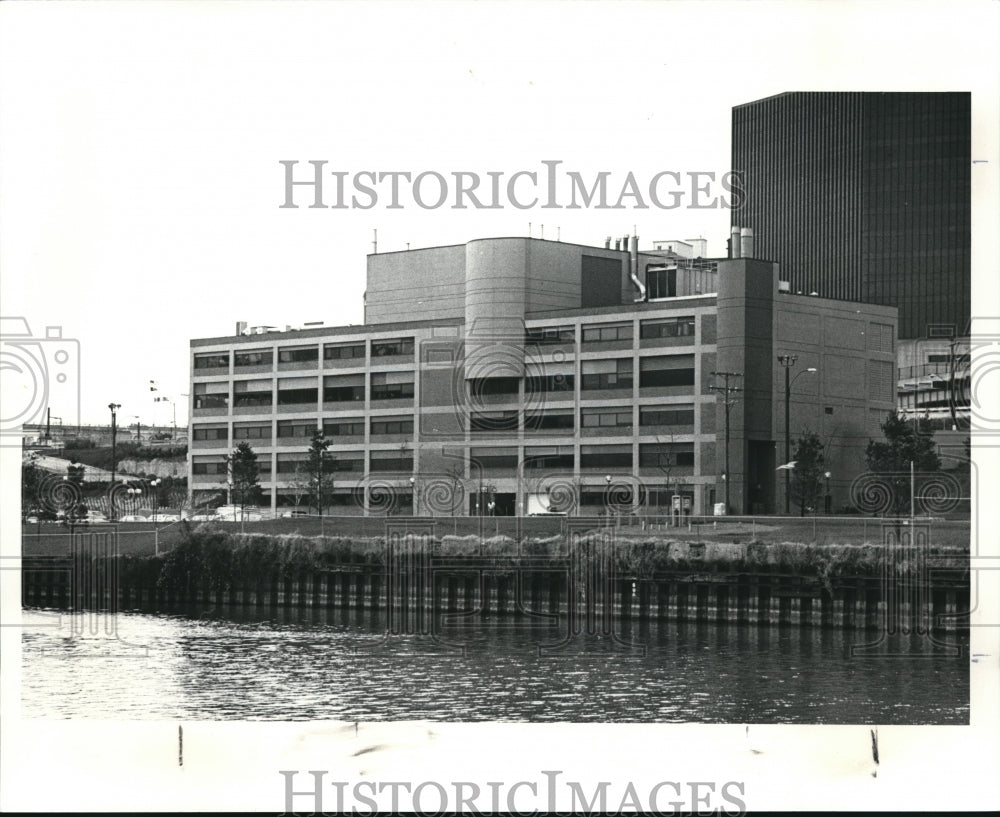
[
  {"x": 482, "y": 382},
  {"x": 37, "y": 374}
]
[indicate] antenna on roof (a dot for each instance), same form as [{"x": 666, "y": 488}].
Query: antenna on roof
[{"x": 375, "y": 242}]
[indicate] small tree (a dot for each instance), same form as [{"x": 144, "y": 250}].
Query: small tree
[
  {"x": 807, "y": 477},
  {"x": 320, "y": 467},
  {"x": 299, "y": 483},
  {"x": 891, "y": 459},
  {"x": 665, "y": 462},
  {"x": 75, "y": 508},
  {"x": 245, "y": 475}
]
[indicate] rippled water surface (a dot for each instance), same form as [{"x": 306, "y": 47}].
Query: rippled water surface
[{"x": 228, "y": 664}]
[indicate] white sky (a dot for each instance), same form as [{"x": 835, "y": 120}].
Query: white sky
[
  {"x": 139, "y": 193},
  {"x": 139, "y": 175}
]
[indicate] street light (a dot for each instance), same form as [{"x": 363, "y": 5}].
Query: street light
[
  {"x": 135, "y": 494},
  {"x": 827, "y": 503},
  {"x": 787, "y": 361},
  {"x": 156, "y": 497},
  {"x": 413, "y": 494}
]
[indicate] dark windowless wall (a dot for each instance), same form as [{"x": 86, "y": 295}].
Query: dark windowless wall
[{"x": 863, "y": 196}]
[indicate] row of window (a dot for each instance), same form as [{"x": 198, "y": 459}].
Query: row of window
[
  {"x": 656, "y": 328},
  {"x": 604, "y": 374},
  {"x": 595, "y": 417},
  {"x": 304, "y": 354},
  {"x": 662, "y": 456}
]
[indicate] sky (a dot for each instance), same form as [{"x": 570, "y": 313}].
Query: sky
[
  {"x": 140, "y": 193},
  {"x": 140, "y": 175}
]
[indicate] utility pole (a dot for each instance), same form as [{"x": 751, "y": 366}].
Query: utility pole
[
  {"x": 114, "y": 432},
  {"x": 726, "y": 390},
  {"x": 787, "y": 361}
]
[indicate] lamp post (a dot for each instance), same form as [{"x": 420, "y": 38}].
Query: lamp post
[
  {"x": 787, "y": 361},
  {"x": 135, "y": 495},
  {"x": 827, "y": 503},
  {"x": 413, "y": 494},
  {"x": 114, "y": 433},
  {"x": 156, "y": 498}
]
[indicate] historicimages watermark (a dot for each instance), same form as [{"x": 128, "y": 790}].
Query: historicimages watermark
[
  {"x": 547, "y": 793},
  {"x": 316, "y": 186}
]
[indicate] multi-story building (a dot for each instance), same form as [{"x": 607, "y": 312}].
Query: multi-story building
[
  {"x": 516, "y": 375},
  {"x": 863, "y": 197}
]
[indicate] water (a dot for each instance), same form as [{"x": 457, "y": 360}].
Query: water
[{"x": 229, "y": 663}]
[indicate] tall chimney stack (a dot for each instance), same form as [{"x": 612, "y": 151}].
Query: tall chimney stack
[
  {"x": 746, "y": 242},
  {"x": 734, "y": 242}
]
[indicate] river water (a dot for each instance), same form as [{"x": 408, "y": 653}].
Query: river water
[{"x": 230, "y": 663}]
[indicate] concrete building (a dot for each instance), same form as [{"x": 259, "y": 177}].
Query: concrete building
[
  {"x": 863, "y": 197},
  {"x": 517, "y": 375}
]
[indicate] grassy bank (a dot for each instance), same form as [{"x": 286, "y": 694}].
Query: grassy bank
[{"x": 220, "y": 560}]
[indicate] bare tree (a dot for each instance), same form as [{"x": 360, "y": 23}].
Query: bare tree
[{"x": 300, "y": 483}]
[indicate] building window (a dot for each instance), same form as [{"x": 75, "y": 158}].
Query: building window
[
  {"x": 382, "y": 426},
  {"x": 620, "y": 418},
  {"x": 211, "y": 395},
  {"x": 343, "y": 351},
  {"x": 548, "y": 421},
  {"x": 291, "y": 464},
  {"x": 549, "y": 383},
  {"x": 252, "y": 432},
  {"x": 606, "y": 456},
  {"x": 607, "y": 374},
  {"x": 297, "y": 391},
  {"x": 550, "y": 457},
  {"x": 660, "y": 416},
  {"x": 391, "y": 348},
  {"x": 607, "y": 332},
  {"x": 382, "y": 461},
  {"x": 550, "y": 334},
  {"x": 343, "y": 388},
  {"x": 667, "y": 328},
  {"x": 214, "y": 361},
  {"x": 303, "y": 429},
  {"x": 493, "y": 459},
  {"x": 252, "y": 393},
  {"x": 209, "y": 467},
  {"x": 673, "y": 370},
  {"x": 661, "y": 282},
  {"x": 304, "y": 354},
  {"x": 493, "y": 386},
  {"x": 260, "y": 357},
  {"x": 392, "y": 385},
  {"x": 202, "y": 434},
  {"x": 486, "y": 421},
  {"x": 344, "y": 428},
  {"x": 352, "y": 462},
  {"x": 666, "y": 455}
]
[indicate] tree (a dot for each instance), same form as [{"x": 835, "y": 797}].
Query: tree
[
  {"x": 891, "y": 459},
  {"x": 807, "y": 476},
  {"x": 245, "y": 475},
  {"x": 298, "y": 484},
  {"x": 665, "y": 462},
  {"x": 320, "y": 467},
  {"x": 31, "y": 480},
  {"x": 75, "y": 508}
]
